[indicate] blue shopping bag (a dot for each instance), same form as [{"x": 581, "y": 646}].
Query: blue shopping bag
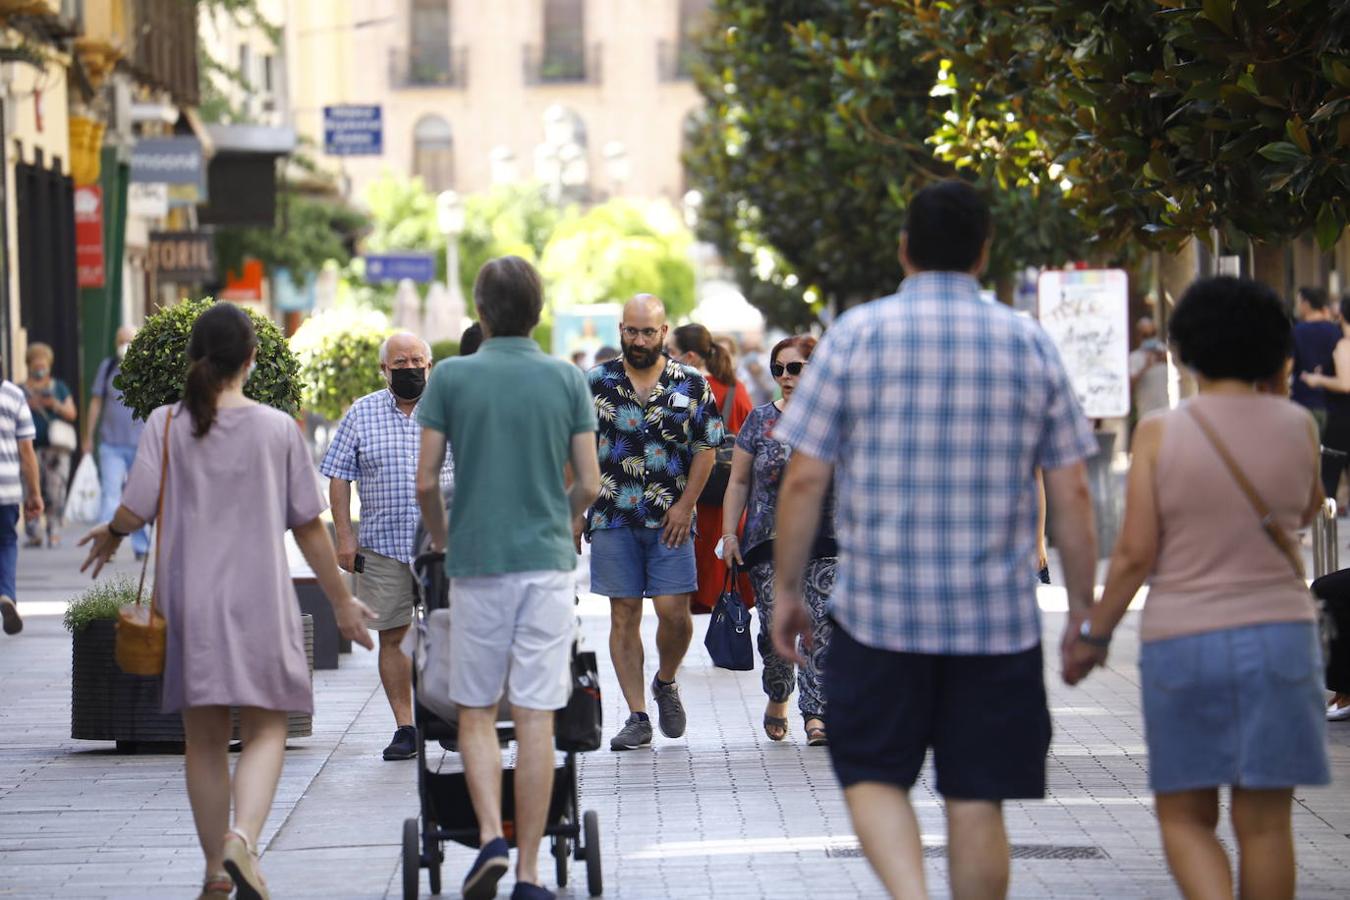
[{"x": 728, "y": 637}]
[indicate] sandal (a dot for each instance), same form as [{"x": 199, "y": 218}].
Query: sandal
[
  {"x": 216, "y": 887},
  {"x": 815, "y": 734},
  {"x": 241, "y": 861},
  {"x": 778, "y": 722}
]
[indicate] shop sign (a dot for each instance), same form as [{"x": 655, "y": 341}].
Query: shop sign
[
  {"x": 185, "y": 256},
  {"x": 89, "y": 261},
  {"x": 148, "y": 199},
  {"x": 175, "y": 161}
]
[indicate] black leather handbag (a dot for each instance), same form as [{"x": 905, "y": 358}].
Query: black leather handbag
[
  {"x": 578, "y": 727},
  {"x": 720, "y": 477},
  {"x": 728, "y": 637}
]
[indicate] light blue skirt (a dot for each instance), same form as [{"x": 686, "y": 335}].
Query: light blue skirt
[{"x": 1240, "y": 706}]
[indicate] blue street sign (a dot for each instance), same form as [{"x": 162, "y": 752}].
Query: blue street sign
[
  {"x": 353, "y": 131},
  {"x": 418, "y": 267}
]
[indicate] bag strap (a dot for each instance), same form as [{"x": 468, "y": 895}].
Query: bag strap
[
  {"x": 1278, "y": 535},
  {"x": 727, "y": 403},
  {"x": 159, "y": 517}
]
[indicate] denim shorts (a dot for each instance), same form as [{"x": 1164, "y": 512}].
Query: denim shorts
[
  {"x": 633, "y": 562},
  {"x": 1239, "y": 706}
]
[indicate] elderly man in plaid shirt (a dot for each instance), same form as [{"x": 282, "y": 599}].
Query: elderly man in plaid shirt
[
  {"x": 932, "y": 409},
  {"x": 376, "y": 446}
]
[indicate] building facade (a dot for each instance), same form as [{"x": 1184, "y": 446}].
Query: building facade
[{"x": 588, "y": 96}]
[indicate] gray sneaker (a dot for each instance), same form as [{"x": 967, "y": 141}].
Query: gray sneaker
[
  {"x": 669, "y": 709},
  {"x": 635, "y": 733}
]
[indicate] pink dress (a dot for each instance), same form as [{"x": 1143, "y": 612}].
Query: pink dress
[{"x": 234, "y": 632}]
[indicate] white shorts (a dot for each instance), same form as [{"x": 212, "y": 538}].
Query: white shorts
[{"x": 521, "y": 624}]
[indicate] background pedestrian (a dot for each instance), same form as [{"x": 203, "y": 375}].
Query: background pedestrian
[
  {"x": 693, "y": 345},
  {"x": 756, "y": 473},
  {"x": 1229, "y": 664},
  {"x": 54, "y": 415},
  {"x": 19, "y": 487},
  {"x": 118, "y": 432},
  {"x": 239, "y": 475},
  {"x": 1333, "y": 381}
]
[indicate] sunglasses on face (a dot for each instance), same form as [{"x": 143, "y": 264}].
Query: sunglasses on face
[{"x": 792, "y": 368}]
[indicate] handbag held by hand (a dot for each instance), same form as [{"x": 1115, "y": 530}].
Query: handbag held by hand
[
  {"x": 140, "y": 634},
  {"x": 728, "y": 637}
]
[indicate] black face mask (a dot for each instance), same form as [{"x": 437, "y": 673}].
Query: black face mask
[{"x": 407, "y": 384}]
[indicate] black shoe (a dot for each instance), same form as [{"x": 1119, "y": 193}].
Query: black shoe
[
  {"x": 9, "y": 613},
  {"x": 404, "y": 744}
]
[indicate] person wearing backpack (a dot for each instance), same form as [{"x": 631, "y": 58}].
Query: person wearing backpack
[{"x": 118, "y": 433}]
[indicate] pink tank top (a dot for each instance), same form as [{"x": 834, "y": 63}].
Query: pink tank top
[{"x": 1216, "y": 566}]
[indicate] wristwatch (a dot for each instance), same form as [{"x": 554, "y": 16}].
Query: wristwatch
[{"x": 1086, "y": 636}]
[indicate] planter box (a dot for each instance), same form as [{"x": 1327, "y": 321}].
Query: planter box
[{"x": 107, "y": 704}]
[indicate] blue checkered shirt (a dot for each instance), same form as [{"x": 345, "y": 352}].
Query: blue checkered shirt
[
  {"x": 376, "y": 446},
  {"x": 935, "y": 409}
]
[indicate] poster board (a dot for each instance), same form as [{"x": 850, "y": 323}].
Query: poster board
[{"x": 1086, "y": 313}]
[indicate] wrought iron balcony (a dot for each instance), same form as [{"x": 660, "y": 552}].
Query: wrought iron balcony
[
  {"x": 557, "y": 64},
  {"x": 429, "y": 67}
]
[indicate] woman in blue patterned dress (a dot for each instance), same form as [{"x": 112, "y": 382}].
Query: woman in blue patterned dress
[{"x": 756, "y": 471}]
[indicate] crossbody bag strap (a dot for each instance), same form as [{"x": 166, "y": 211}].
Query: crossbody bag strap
[
  {"x": 727, "y": 403},
  {"x": 159, "y": 516},
  {"x": 1272, "y": 528}
]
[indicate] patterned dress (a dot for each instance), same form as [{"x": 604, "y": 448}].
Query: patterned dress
[{"x": 766, "y": 475}]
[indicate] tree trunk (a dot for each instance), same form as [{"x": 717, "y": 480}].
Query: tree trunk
[
  {"x": 1270, "y": 264},
  {"x": 1176, "y": 271}
]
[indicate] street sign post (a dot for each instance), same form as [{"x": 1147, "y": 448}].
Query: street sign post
[
  {"x": 350, "y": 130},
  {"x": 418, "y": 267}
]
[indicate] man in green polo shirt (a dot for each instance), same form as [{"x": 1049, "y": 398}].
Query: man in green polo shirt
[{"x": 513, "y": 418}]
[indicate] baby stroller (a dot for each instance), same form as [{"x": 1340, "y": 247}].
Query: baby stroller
[{"x": 445, "y": 811}]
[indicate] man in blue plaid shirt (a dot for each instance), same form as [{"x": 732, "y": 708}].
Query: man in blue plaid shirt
[
  {"x": 932, "y": 409},
  {"x": 376, "y": 446}
]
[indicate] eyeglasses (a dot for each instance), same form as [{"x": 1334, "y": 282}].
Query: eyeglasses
[
  {"x": 792, "y": 368},
  {"x": 646, "y": 334}
]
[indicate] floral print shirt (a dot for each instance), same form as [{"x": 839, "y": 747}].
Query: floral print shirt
[
  {"x": 766, "y": 475},
  {"x": 646, "y": 445}
]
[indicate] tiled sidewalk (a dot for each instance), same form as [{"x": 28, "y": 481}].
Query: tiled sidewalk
[{"x": 721, "y": 813}]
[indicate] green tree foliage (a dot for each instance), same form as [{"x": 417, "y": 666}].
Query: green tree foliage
[
  {"x": 616, "y": 250},
  {"x": 155, "y": 368},
  {"x": 403, "y": 216},
  {"x": 821, "y": 121},
  {"x": 308, "y": 233},
  {"x": 509, "y": 220},
  {"x": 1171, "y": 117},
  {"x": 339, "y": 355}
]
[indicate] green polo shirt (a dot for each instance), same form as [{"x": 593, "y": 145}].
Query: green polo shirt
[{"x": 509, "y": 413}]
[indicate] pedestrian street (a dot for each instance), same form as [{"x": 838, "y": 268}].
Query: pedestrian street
[{"x": 721, "y": 813}]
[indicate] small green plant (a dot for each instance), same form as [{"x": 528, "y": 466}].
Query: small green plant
[
  {"x": 155, "y": 367},
  {"x": 102, "y": 601},
  {"x": 444, "y": 350},
  {"x": 339, "y": 354}
]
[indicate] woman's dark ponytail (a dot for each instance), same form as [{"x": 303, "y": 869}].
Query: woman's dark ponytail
[
  {"x": 222, "y": 341},
  {"x": 696, "y": 338}
]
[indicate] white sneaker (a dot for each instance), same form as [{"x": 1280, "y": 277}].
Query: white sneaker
[{"x": 1337, "y": 713}]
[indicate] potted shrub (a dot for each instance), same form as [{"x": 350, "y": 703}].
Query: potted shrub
[
  {"x": 155, "y": 367},
  {"x": 339, "y": 355},
  {"x": 107, "y": 704}
]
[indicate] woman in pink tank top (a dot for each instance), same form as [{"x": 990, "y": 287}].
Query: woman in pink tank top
[{"x": 1229, "y": 663}]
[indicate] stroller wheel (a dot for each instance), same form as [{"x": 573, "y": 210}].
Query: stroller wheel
[
  {"x": 412, "y": 859},
  {"x": 561, "y": 854},
  {"x": 591, "y": 829}
]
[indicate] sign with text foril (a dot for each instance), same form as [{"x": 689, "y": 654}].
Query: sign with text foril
[
  {"x": 185, "y": 256},
  {"x": 1086, "y": 312},
  {"x": 89, "y": 236},
  {"x": 350, "y": 130}
]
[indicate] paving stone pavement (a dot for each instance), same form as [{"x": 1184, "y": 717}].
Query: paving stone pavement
[{"x": 721, "y": 813}]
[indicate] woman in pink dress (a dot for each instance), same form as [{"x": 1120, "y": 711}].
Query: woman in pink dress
[{"x": 239, "y": 475}]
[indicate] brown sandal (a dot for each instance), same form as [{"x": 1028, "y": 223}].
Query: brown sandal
[
  {"x": 815, "y": 734},
  {"x": 775, "y": 722},
  {"x": 217, "y": 887},
  {"x": 241, "y": 861}
]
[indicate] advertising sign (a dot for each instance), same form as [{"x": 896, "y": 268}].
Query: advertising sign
[
  {"x": 173, "y": 160},
  {"x": 1086, "y": 313},
  {"x": 585, "y": 329},
  {"x": 148, "y": 200},
  {"x": 350, "y": 130},
  {"x": 418, "y": 267},
  {"x": 89, "y": 236},
  {"x": 186, "y": 256}
]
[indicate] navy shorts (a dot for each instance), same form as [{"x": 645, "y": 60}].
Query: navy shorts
[
  {"x": 634, "y": 562},
  {"x": 985, "y": 717}
]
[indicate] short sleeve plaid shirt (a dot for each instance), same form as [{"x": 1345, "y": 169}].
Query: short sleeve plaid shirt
[
  {"x": 376, "y": 446},
  {"x": 935, "y": 409}
]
